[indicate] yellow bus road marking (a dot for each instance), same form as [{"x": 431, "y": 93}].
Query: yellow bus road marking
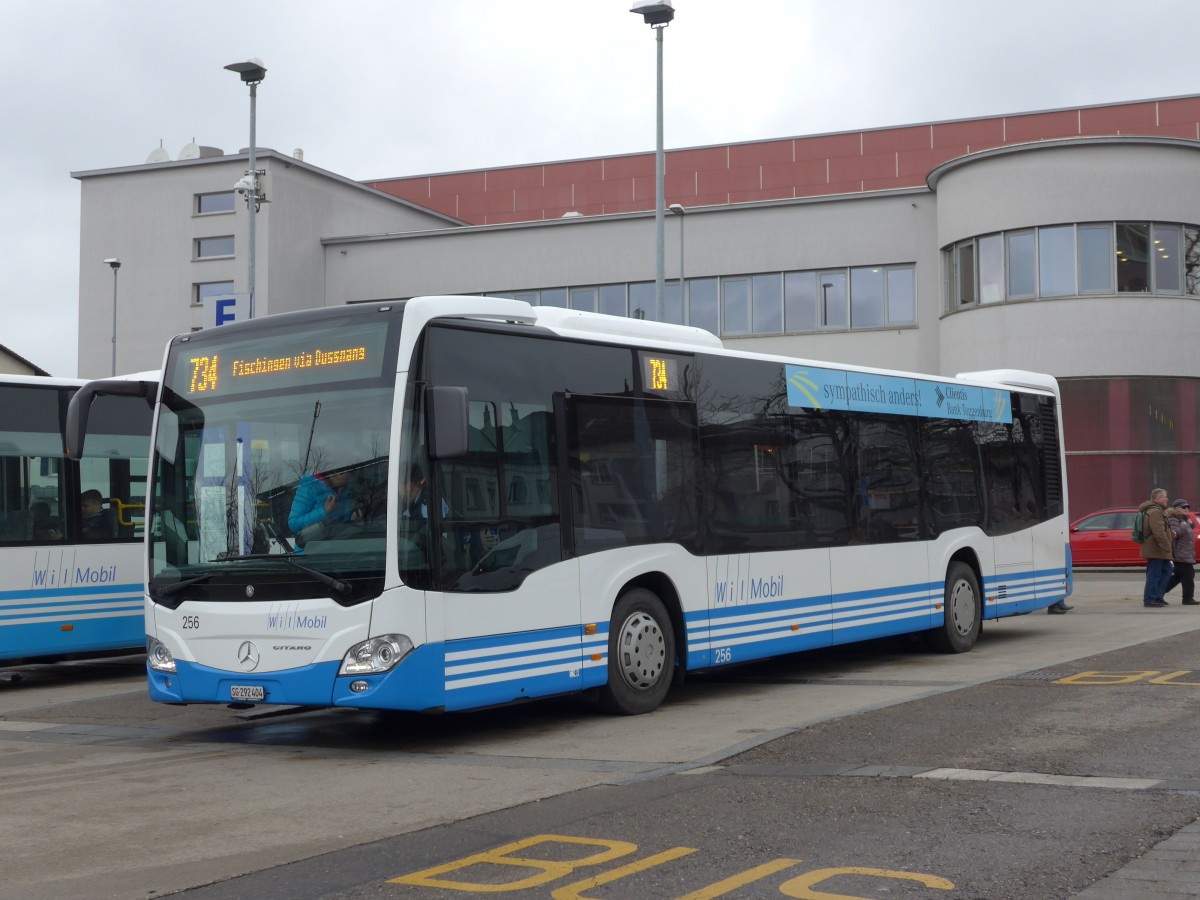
[
  {"x": 1149, "y": 676},
  {"x": 502, "y": 861}
]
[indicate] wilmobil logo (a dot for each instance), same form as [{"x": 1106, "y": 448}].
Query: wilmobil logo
[{"x": 287, "y": 617}]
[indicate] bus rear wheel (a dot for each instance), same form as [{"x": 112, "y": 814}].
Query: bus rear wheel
[
  {"x": 960, "y": 629},
  {"x": 641, "y": 654}
]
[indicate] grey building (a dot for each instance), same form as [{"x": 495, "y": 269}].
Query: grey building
[{"x": 1052, "y": 241}]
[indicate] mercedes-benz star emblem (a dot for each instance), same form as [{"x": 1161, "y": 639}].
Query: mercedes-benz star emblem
[
  {"x": 249, "y": 590},
  {"x": 248, "y": 656}
]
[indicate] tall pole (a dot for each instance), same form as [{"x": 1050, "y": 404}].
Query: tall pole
[
  {"x": 252, "y": 201},
  {"x": 659, "y": 191},
  {"x": 114, "y": 264},
  {"x": 115, "y": 267},
  {"x": 252, "y": 71},
  {"x": 677, "y": 209}
]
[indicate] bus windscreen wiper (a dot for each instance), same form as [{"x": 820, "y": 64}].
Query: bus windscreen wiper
[
  {"x": 167, "y": 590},
  {"x": 342, "y": 587}
]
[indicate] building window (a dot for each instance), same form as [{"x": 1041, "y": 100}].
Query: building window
[
  {"x": 767, "y": 303},
  {"x": 1133, "y": 240},
  {"x": 901, "y": 296},
  {"x": 800, "y": 301},
  {"x": 704, "y": 307},
  {"x": 991, "y": 268},
  {"x": 735, "y": 306},
  {"x": 204, "y": 290},
  {"x": 1096, "y": 259},
  {"x": 1021, "y": 267},
  {"x": 1072, "y": 261},
  {"x": 866, "y": 298},
  {"x": 1056, "y": 261},
  {"x": 833, "y": 299},
  {"x": 210, "y": 247},
  {"x": 207, "y": 204},
  {"x": 613, "y": 301},
  {"x": 964, "y": 274},
  {"x": 767, "y": 298},
  {"x": 1166, "y": 249}
]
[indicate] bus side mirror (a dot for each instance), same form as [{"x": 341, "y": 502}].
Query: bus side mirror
[
  {"x": 81, "y": 405},
  {"x": 446, "y": 411}
]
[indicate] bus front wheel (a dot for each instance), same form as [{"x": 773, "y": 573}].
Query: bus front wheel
[
  {"x": 960, "y": 629},
  {"x": 641, "y": 654}
]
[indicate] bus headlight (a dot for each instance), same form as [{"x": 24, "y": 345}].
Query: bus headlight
[
  {"x": 159, "y": 656},
  {"x": 378, "y": 655}
]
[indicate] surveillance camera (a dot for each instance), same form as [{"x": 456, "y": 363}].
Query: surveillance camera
[{"x": 245, "y": 185}]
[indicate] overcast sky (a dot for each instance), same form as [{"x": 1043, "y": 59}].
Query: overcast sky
[{"x": 380, "y": 88}]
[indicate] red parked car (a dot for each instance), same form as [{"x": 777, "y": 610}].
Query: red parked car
[{"x": 1102, "y": 538}]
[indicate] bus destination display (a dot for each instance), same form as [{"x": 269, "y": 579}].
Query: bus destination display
[{"x": 280, "y": 361}]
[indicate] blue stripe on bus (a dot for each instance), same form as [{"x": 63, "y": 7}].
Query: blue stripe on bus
[{"x": 72, "y": 591}]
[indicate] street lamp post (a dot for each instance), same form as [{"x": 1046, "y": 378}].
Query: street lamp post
[
  {"x": 253, "y": 72},
  {"x": 658, "y": 15},
  {"x": 677, "y": 209},
  {"x": 114, "y": 264}
]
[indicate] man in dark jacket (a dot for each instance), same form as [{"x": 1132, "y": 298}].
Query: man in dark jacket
[{"x": 1156, "y": 549}]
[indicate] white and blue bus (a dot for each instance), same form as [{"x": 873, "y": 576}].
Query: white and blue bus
[
  {"x": 447, "y": 503},
  {"x": 71, "y": 530}
]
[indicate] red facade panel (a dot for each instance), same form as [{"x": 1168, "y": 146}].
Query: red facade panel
[
  {"x": 702, "y": 160},
  {"x": 1131, "y": 118},
  {"x": 518, "y": 177},
  {"x": 890, "y": 139},
  {"x": 920, "y": 162},
  {"x": 1040, "y": 127},
  {"x": 458, "y": 183},
  {"x": 624, "y": 206},
  {"x": 534, "y": 200},
  {"x": 748, "y": 179},
  {"x": 879, "y": 165},
  {"x": 976, "y": 133},
  {"x": 632, "y": 166},
  {"x": 779, "y": 193},
  {"x": 813, "y": 171},
  {"x": 893, "y": 183},
  {"x": 1185, "y": 109},
  {"x": 415, "y": 190},
  {"x": 679, "y": 187},
  {"x": 473, "y": 207},
  {"x": 806, "y": 166},
  {"x": 829, "y": 145},
  {"x": 603, "y": 192},
  {"x": 571, "y": 172},
  {"x": 765, "y": 153},
  {"x": 1188, "y": 130}
]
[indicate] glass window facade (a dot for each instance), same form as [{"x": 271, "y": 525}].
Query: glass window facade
[
  {"x": 764, "y": 303},
  {"x": 1073, "y": 260},
  {"x": 206, "y": 289}
]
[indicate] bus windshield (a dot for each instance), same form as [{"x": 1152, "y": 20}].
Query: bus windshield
[{"x": 270, "y": 464}]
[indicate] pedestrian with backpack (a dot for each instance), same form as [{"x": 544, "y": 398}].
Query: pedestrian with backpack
[
  {"x": 1157, "y": 547},
  {"x": 1179, "y": 519}
]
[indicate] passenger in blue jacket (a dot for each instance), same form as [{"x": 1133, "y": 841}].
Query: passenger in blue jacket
[{"x": 320, "y": 501}]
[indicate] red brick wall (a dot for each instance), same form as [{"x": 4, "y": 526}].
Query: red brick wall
[{"x": 775, "y": 169}]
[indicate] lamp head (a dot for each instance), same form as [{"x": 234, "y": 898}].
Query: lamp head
[
  {"x": 114, "y": 263},
  {"x": 252, "y": 70},
  {"x": 677, "y": 208},
  {"x": 655, "y": 12}
]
